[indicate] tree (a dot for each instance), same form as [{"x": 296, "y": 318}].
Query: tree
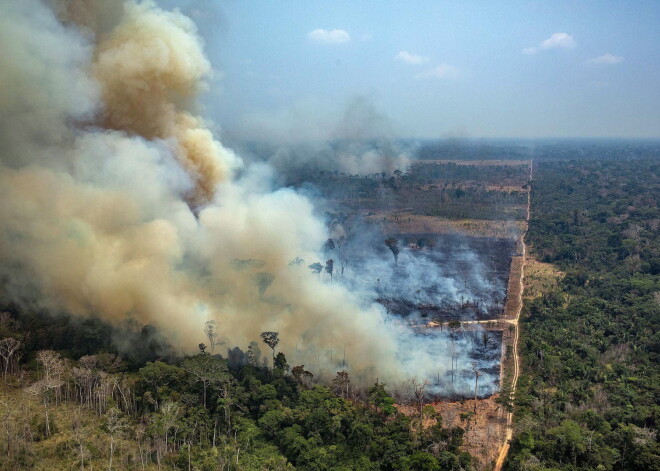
[
  {"x": 53, "y": 368},
  {"x": 453, "y": 327},
  {"x": 79, "y": 436},
  {"x": 419, "y": 391},
  {"x": 271, "y": 339},
  {"x": 301, "y": 375},
  {"x": 485, "y": 339},
  {"x": 211, "y": 331},
  {"x": 328, "y": 245},
  {"x": 477, "y": 373},
  {"x": 569, "y": 440},
  {"x": 467, "y": 418},
  {"x": 329, "y": 267},
  {"x": 263, "y": 280},
  {"x": 393, "y": 245},
  {"x": 168, "y": 415},
  {"x": 317, "y": 268},
  {"x": 8, "y": 347},
  {"x": 253, "y": 354},
  {"x": 504, "y": 397},
  {"x": 205, "y": 369},
  {"x": 115, "y": 423},
  {"x": 159, "y": 381},
  {"x": 340, "y": 242},
  {"x": 280, "y": 362},
  {"x": 421, "y": 461},
  {"x": 378, "y": 397},
  {"x": 342, "y": 383}
]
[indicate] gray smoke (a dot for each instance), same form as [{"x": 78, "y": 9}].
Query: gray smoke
[
  {"x": 102, "y": 158},
  {"x": 359, "y": 141}
]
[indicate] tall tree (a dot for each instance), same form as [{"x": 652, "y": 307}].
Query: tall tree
[
  {"x": 317, "y": 268},
  {"x": 477, "y": 373},
  {"x": 253, "y": 354},
  {"x": 296, "y": 262},
  {"x": 8, "y": 348},
  {"x": 205, "y": 369},
  {"x": 393, "y": 245},
  {"x": 419, "y": 391},
  {"x": 329, "y": 267},
  {"x": 342, "y": 383},
  {"x": 281, "y": 363},
  {"x": 53, "y": 368},
  {"x": 271, "y": 339},
  {"x": 211, "y": 331},
  {"x": 301, "y": 375},
  {"x": 115, "y": 423}
]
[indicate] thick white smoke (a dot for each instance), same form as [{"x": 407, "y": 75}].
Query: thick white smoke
[
  {"x": 116, "y": 201},
  {"x": 102, "y": 160}
]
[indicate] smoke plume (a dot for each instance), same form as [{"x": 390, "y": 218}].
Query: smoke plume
[
  {"x": 299, "y": 143},
  {"x": 101, "y": 157},
  {"x": 117, "y": 201}
]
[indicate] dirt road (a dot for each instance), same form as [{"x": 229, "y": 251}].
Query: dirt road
[{"x": 516, "y": 365}]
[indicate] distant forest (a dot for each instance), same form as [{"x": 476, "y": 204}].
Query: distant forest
[{"x": 560, "y": 149}]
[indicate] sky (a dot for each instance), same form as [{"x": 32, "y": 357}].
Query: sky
[{"x": 433, "y": 69}]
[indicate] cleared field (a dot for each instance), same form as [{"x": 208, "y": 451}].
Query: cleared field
[
  {"x": 406, "y": 222},
  {"x": 540, "y": 278},
  {"x": 436, "y": 276}
]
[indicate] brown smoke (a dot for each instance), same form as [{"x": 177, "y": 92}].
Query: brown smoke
[
  {"x": 150, "y": 67},
  {"x": 93, "y": 17},
  {"x": 93, "y": 218}
]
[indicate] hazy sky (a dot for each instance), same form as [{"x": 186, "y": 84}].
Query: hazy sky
[{"x": 436, "y": 68}]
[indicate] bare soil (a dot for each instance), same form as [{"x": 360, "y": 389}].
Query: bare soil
[
  {"x": 513, "y": 291},
  {"x": 540, "y": 278}
]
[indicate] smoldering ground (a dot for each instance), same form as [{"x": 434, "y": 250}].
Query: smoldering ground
[
  {"x": 448, "y": 277},
  {"x": 441, "y": 277},
  {"x": 118, "y": 202}
]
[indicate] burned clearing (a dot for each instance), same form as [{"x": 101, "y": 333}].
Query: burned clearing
[
  {"x": 444, "y": 280},
  {"x": 437, "y": 288},
  {"x": 473, "y": 362},
  {"x": 439, "y": 277},
  {"x": 447, "y": 277}
]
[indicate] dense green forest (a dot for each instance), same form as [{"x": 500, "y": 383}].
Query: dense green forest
[
  {"x": 588, "y": 398},
  {"x": 70, "y": 402}
]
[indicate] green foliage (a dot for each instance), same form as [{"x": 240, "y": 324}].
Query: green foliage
[
  {"x": 202, "y": 415},
  {"x": 281, "y": 363},
  {"x": 587, "y": 398},
  {"x": 377, "y": 396},
  {"x": 421, "y": 461}
]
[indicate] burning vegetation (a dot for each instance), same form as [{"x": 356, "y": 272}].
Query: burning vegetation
[{"x": 119, "y": 203}]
